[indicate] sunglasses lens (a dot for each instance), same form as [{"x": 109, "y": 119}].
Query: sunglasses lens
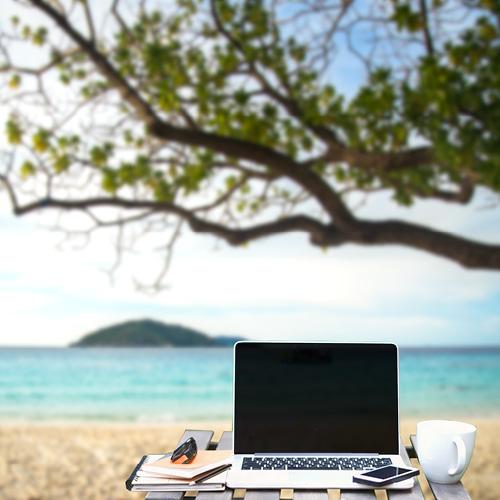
[
  {"x": 191, "y": 450},
  {"x": 188, "y": 449}
]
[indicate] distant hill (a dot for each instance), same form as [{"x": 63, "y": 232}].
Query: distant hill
[{"x": 148, "y": 333}]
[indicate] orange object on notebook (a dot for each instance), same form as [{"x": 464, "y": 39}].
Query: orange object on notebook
[{"x": 204, "y": 461}]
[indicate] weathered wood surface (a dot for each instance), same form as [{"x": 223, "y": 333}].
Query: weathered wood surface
[
  {"x": 202, "y": 440},
  {"x": 310, "y": 495},
  {"x": 449, "y": 491},
  {"x": 445, "y": 491},
  {"x": 415, "y": 493},
  {"x": 225, "y": 443},
  {"x": 440, "y": 491},
  {"x": 262, "y": 495},
  {"x": 357, "y": 495}
]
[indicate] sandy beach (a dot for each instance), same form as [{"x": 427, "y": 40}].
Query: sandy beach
[{"x": 91, "y": 461}]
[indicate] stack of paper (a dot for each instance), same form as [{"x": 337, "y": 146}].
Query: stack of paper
[{"x": 157, "y": 473}]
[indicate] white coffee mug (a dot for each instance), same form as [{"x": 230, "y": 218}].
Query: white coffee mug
[{"x": 444, "y": 449}]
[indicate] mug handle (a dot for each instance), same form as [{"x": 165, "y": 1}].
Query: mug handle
[{"x": 461, "y": 456}]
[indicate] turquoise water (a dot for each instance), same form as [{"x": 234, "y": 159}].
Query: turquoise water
[{"x": 184, "y": 384}]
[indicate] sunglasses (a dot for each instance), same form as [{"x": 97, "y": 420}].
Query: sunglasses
[{"x": 187, "y": 449}]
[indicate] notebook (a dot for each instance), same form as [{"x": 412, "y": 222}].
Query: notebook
[{"x": 146, "y": 480}]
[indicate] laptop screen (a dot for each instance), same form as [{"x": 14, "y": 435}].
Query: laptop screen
[{"x": 315, "y": 398}]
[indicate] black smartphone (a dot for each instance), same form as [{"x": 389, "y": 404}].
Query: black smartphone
[{"x": 385, "y": 475}]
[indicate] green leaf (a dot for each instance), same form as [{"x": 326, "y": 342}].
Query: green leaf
[
  {"x": 14, "y": 81},
  {"x": 28, "y": 169},
  {"x": 230, "y": 181},
  {"x": 109, "y": 181},
  {"x": 13, "y": 131},
  {"x": 41, "y": 140},
  {"x": 62, "y": 163},
  {"x": 162, "y": 191},
  {"x": 99, "y": 155},
  {"x": 39, "y": 37}
]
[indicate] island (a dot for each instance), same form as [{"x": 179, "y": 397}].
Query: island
[{"x": 151, "y": 333}]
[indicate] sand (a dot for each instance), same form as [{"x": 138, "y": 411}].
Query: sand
[{"x": 91, "y": 461}]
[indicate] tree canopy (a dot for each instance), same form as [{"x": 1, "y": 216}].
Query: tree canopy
[{"x": 226, "y": 115}]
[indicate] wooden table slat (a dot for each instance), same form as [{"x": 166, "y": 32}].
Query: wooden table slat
[
  {"x": 202, "y": 440},
  {"x": 310, "y": 495},
  {"x": 449, "y": 491},
  {"x": 415, "y": 493},
  {"x": 357, "y": 495},
  {"x": 262, "y": 495},
  {"x": 225, "y": 443},
  {"x": 446, "y": 491}
]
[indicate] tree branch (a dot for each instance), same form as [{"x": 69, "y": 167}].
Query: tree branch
[
  {"x": 293, "y": 108},
  {"x": 424, "y": 16},
  {"x": 239, "y": 148},
  {"x": 90, "y": 21},
  {"x": 380, "y": 161},
  {"x": 232, "y": 236},
  {"x": 263, "y": 155},
  {"x": 41, "y": 69},
  {"x": 102, "y": 63},
  {"x": 466, "y": 252},
  {"x": 463, "y": 195}
]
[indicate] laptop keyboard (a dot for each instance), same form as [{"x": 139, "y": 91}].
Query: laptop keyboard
[{"x": 313, "y": 463}]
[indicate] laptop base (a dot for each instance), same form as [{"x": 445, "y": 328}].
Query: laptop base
[{"x": 305, "y": 480}]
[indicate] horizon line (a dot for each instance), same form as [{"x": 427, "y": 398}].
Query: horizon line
[{"x": 68, "y": 346}]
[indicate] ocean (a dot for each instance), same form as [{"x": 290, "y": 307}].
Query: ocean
[{"x": 171, "y": 385}]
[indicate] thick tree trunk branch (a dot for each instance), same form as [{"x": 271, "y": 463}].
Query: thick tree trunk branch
[
  {"x": 470, "y": 254},
  {"x": 262, "y": 155}
]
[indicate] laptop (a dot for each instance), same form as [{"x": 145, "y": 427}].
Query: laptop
[{"x": 312, "y": 414}]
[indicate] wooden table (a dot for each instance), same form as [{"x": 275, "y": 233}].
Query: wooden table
[{"x": 204, "y": 440}]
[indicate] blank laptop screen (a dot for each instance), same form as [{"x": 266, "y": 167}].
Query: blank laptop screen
[{"x": 316, "y": 398}]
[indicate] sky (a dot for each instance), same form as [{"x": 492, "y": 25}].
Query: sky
[{"x": 279, "y": 288}]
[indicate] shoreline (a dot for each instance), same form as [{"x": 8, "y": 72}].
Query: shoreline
[
  {"x": 11, "y": 422},
  {"x": 188, "y": 424}
]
